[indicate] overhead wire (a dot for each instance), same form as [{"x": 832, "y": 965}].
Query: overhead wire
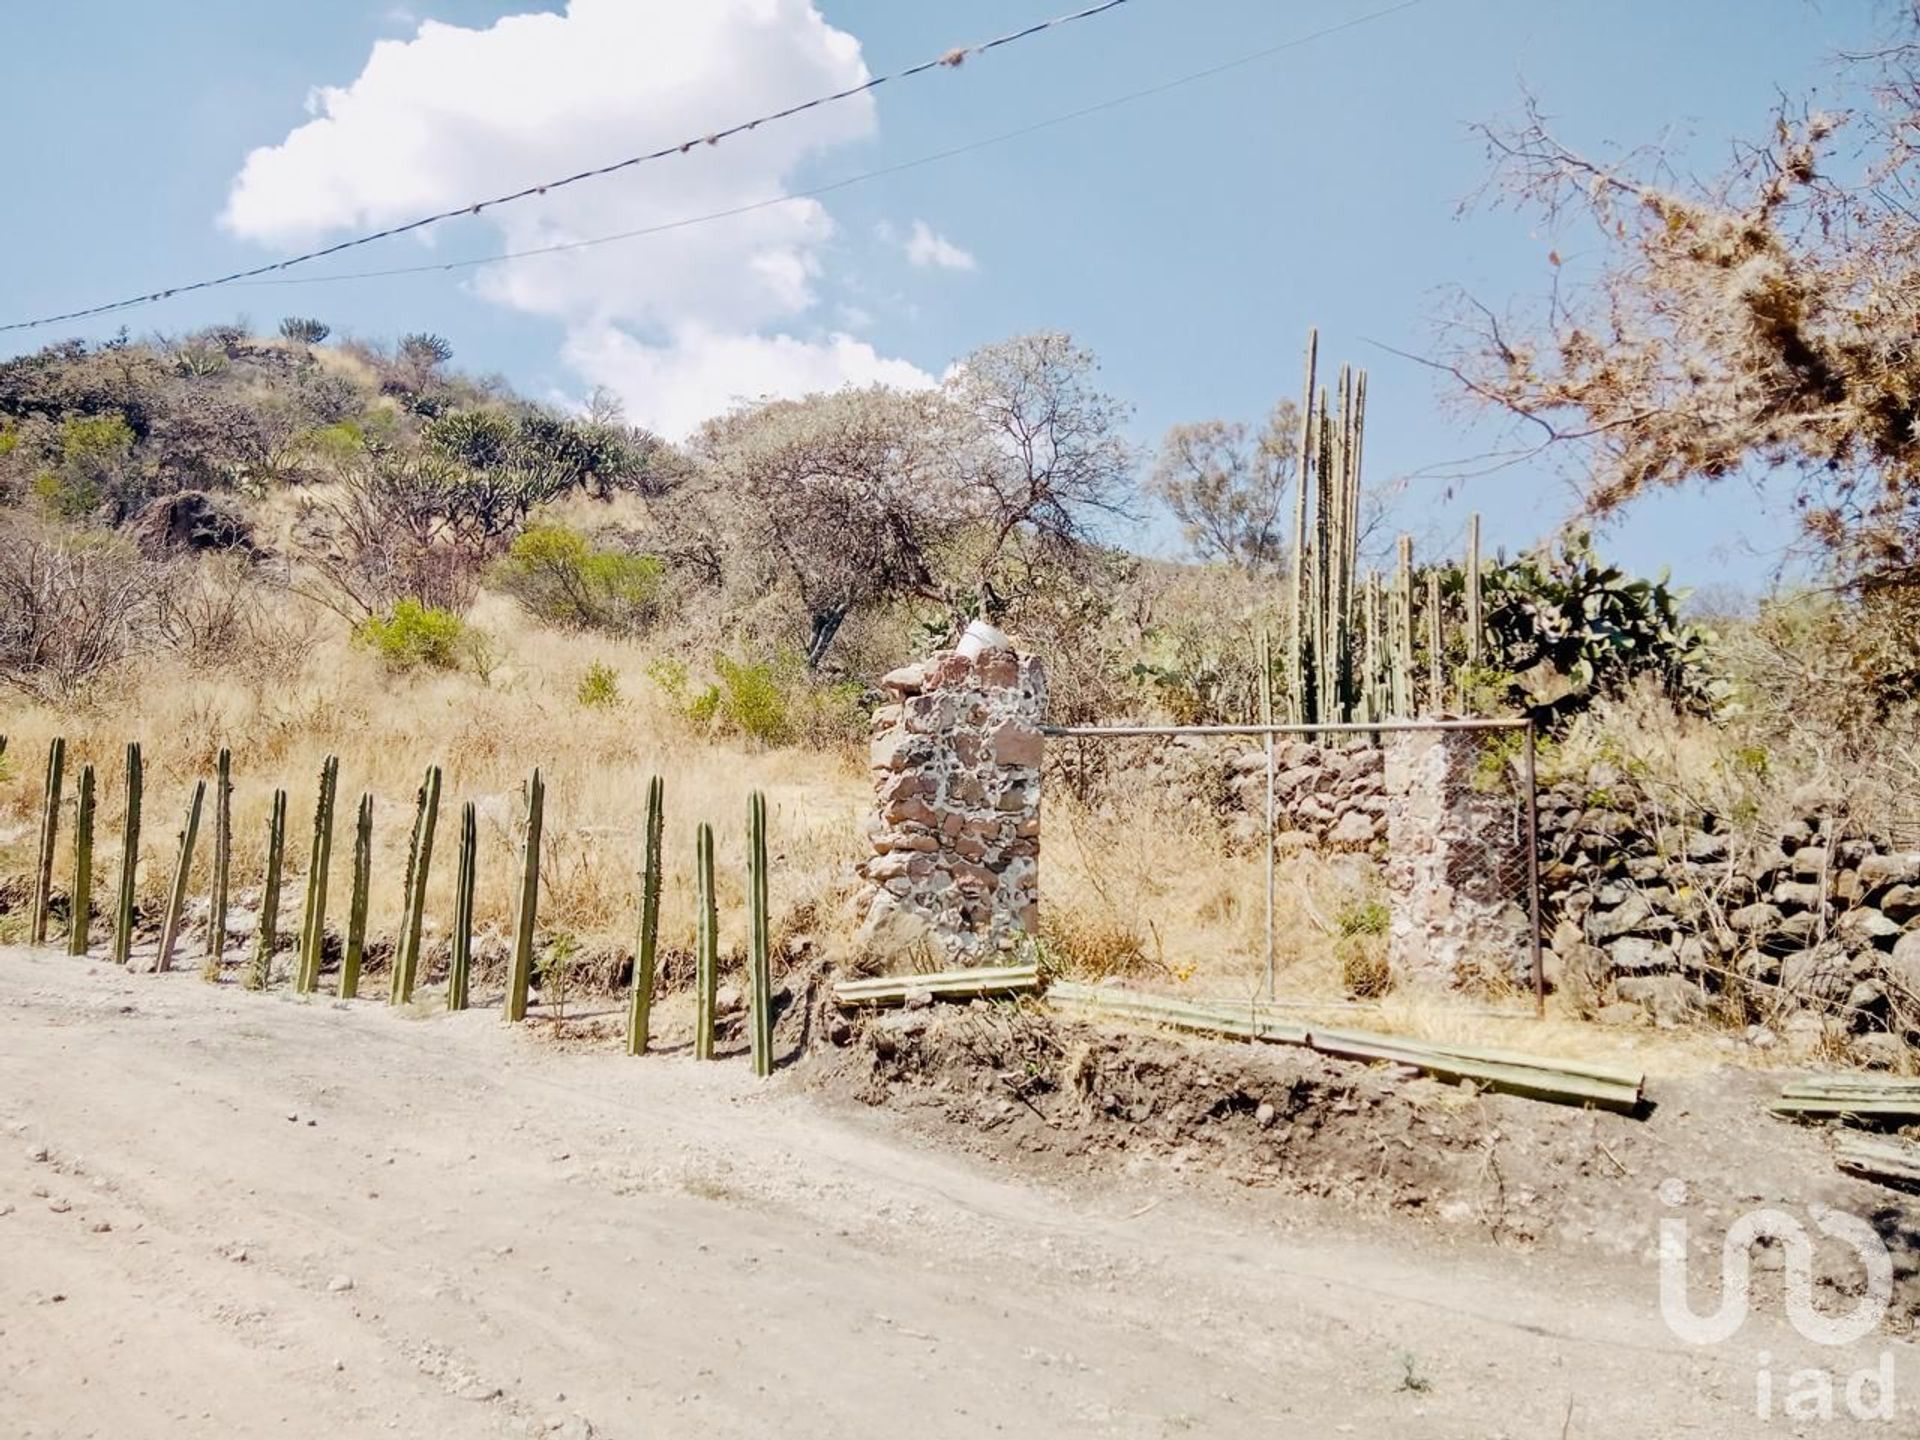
[
  {"x": 845, "y": 182},
  {"x": 948, "y": 59}
]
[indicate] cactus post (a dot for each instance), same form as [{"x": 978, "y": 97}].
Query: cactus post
[
  {"x": 129, "y": 857},
  {"x": 183, "y": 867},
  {"x": 1297, "y": 583},
  {"x": 357, "y": 904},
  {"x": 759, "y": 961},
  {"x": 49, "y": 834},
  {"x": 80, "y": 912},
  {"x": 640, "y": 1003},
  {"x": 460, "y": 975},
  {"x": 527, "y": 909},
  {"x": 222, "y": 861},
  {"x": 313, "y": 926},
  {"x": 406, "y": 960},
  {"x": 1436, "y": 640},
  {"x": 706, "y": 979},
  {"x": 267, "y": 935}
]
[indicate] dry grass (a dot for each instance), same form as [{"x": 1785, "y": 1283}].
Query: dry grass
[{"x": 386, "y": 729}]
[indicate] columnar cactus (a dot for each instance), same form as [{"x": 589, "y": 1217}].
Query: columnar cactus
[
  {"x": 759, "y": 944},
  {"x": 80, "y": 918},
  {"x": 640, "y": 1003},
  {"x": 313, "y": 926},
  {"x": 49, "y": 834},
  {"x": 129, "y": 858},
  {"x": 222, "y": 860},
  {"x": 356, "y": 949},
  {"x": 1324, "y": 666},
  {"x": 527, "y": 911},
  {"x": 182, "y": 868},
  {"x": 706, "y": 945},
  {"x": 406, "y": 961},
  {"x": 267, "y": 936},
  {"x": 460, "y": 973}
]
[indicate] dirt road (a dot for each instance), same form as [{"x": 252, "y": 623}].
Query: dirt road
[{"x": 223, "y": 1214}]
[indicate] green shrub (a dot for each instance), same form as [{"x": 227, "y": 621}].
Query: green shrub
[
  {"x": 776, "y": 702},
  {"x": 416, "y": 636},
  {"x": 599, "y": 688},
  {"x": 564, "y": 579},
  {"x": 94, "y": 467}
]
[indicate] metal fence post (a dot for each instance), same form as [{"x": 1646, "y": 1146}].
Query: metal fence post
[{"x": 1533, "y": 869}]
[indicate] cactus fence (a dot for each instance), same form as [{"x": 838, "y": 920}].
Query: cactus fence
[{"x": 311, "y": 942}]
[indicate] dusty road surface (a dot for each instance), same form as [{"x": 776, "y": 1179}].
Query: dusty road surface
[{"x": 223, "y": 1214}]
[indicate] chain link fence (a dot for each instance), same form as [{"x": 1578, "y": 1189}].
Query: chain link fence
[{"x": 1323, "y": 862}]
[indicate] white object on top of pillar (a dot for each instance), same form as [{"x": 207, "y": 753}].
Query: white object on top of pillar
[{"x": 980, "y": 637}]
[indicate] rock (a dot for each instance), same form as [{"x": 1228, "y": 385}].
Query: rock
[
  {"x": 191, "y": 520},
  {"x": 1803, "y": 1029},
  {"x": 1631, "y": 913},
  {"x": 1902, "y": 868},
  {"x": 1823, "y": 973},
  {"x": 1817, "y": 801},
  {"x": 1812, "y": 861},
  {"x": 1901, "y": 903},
  {"x": 1902, "y": 967},
  {"x": 1264, "y": 1116},
  {"x": 1637, "y": 953},
  {"x": 918, "y": 999},
  {"x": 1668, "y": 998},
  {"x": 339, "y": 1284},
  {"x": 1620, "y": 1013},
  {"x": 1794, "y": 932},
  {"x": 728, "y": 999},
  {"x": 1353, "y": 828},
  {"x": 1868, "y": 927},
  {"x": 1702, "y": 846},
  {"x": 1761, "y": 1038},
  {"x": 1754, "y": 919},
  {"x": 907, "y": 680},
  {"x": 1798, "y": 895},
  {"x": 39, "y": 1154},
  {"x": 1878, "y": 1050}
]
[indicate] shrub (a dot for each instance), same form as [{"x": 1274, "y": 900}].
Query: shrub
[
  {"x": 93, "y": 468},
  {"x": 413, "y": 636},
  {"x": 776, "y": 702},
  {"x": 600, "y": 687},
  {"x": 558, "y": 575},
  {"x": 303, "y": 330}
]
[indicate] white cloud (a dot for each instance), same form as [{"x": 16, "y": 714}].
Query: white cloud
[
  {"x": 452, "y": 113},
  {"x": 927, "y": 248},
  {"x": 698, "y": 372}
]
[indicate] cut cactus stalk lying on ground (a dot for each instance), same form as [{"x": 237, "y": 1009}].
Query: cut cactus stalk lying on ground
[
  {"x": 1565, "y": 1082},
  {"x": 980, "y": 983}
]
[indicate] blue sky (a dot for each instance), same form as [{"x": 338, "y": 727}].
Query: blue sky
[{"x": 1190, "y": 238}]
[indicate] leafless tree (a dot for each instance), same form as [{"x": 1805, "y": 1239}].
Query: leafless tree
[
  {"x": 1043, "y": 464},
  {"x": 1763, "y": 319},
  {"x": 72, "y": 605},
  {"x": 1227, "y": 486}
]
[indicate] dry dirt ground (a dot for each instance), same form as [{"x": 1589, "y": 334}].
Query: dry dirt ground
[{"x": 223, "y": 1214}]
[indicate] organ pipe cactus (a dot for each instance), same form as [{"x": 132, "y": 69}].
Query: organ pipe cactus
[
  {"x": 268, "y": 934},
  {"x": 313, "y": 927},
  {"x": 80, "y": 916},
  {"x": 759, "y": 942},
  {"x": 49, "y": 834},
  {"x": 177, "y": 895},
  {"x": 1324, "y": 664},
  {"x": 406, "y": 962},
  {"x": 640, "y": 1004},
  {"x": 460, "y": 972},
  {"x": 356, "y": 949},
  {"x": 527, "y": 910},
  {"x": 129, "y": 858},
  {"x": 706, "y": 945},
  {"x": 222, "y": 860}
]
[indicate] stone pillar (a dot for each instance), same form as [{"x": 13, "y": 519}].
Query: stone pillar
[
  {"x": 956, "y": 823},
  {"x": 1456, "y": 865}
]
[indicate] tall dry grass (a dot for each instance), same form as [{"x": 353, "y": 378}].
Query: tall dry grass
[{"x": 488, "y": 736}]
